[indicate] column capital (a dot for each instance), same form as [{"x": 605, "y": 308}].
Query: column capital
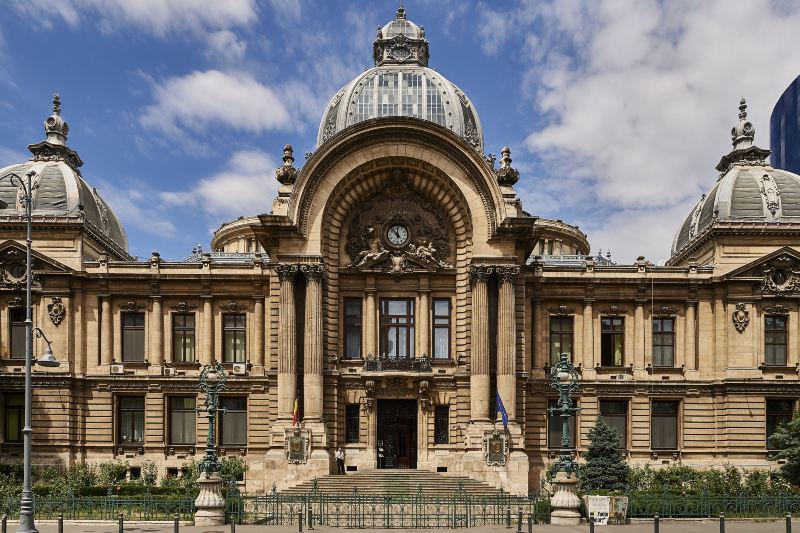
[
  {"x": 479, "y": 273},
  {"x": 507, "y": 273},
  {"x": 286, "y": 271},
  {"x": 313, "y": 272}
]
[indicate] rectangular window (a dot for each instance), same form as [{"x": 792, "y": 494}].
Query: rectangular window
[
  {"x": 352, "y": 422},
  {"x": 664, "y": 425},
  {"x": 233, "y": 424},
  {"x": 612, "y": 339},
  {"x": 234, "y": 335},
  {"x": 130, "y": 420},
  {"x": 560, "y": 337},
  {"x": 14, "y": 417},
  {"x": 555, "y": 426},
  {"x": 133, "y": 337},
  {"x": 16, "y": 326},
  {"x": 441, "y": 328},
  {"x": 775, "y": 340},
  {"x": 615, "y": 413},
  {"x": 182, "y": 420},
  {"x": 397, "y": 329},
  {"x": 352, "y": 328},
  {"x": 778, "y": 412},
  {"x": 663, "y": 342},
  {"x": 183, "y": 337},
  {"x": 441, "y": 425}
]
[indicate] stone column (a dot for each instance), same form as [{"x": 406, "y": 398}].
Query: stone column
[
  {"x": 258, "y": 331},
  {"x": 370, "y": 338},
  {"x": 423, "y": 321},
  {"x": 691, "y": 347},
  {"x": 540, "y": 357},
  {"x": 312, "y": 356},
  {"x": 207, "y": 353},
  {"x": 287, "y": 342},
  {"x": 157, "y": 331},
  {"x": 507, "y": 339},
  {"x": 479, "y": 363},
  {"x": 588, "y": 335},
  {"x": 106, "y": 340},
  {"x": 639, "y": 332}
]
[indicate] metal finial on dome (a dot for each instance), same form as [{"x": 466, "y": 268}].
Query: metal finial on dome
[
  {"x": 743, "y": 133},
  {"x": 56, "y": 127},
  {"x": 287, "y": 174},
  {"x": 56, "y": 104},
  {"x": 742, "y": 109},
  {"x": 401, "y": 11}
]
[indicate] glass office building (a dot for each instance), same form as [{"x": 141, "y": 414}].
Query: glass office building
[{"x": 784, "y": 129}]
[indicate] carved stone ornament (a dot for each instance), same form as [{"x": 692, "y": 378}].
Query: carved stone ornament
[
  {"x": 495, "y": 448},
  {"x": 398, "y": 231},
  {"x": 132, "y": 307},
  {"x": 297, "y": 445},
  {"x": 664, "y": 310},
  {"x": 741, "y": 318},
  {"x": 771, "y": 194},
  {"x": 286, "y": 271},
  {"x": 12, "y": 269},
  {"x": 777, "y": 309},
  {"x": 287, "y": 174},
  {"x": 480, "y": 273},
  {"x": 16, "y": 301},
  {"x": 613, "y": 310},
  {"x": 183, "y": 307},
  {"x": 56, "y": 311},
  {"x": 506, "y": 274},
  {"x": 471, "y": 134},
  {"x": 562, "y": 310},
  {"x": 780, "y": 276},
  {"x": 313, "y": 272},
  {"x": 506, "y": 174},
  {"x": 234, "y": 307}
]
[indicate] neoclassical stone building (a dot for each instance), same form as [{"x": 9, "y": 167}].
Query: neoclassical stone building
[{"x": 395, "y": 289}]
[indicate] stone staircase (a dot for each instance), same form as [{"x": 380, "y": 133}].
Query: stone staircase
[{"x": 395, "y": 482}]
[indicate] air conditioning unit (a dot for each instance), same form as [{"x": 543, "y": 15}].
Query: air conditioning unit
[
  {"x": 621, "y": 377},
  {"x": 117, "y": 369},
  {"x": 170, "y": 371},
  {"x": 239, "y": 369}
]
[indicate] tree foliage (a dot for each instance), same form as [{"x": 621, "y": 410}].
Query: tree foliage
[
  {"x": 786, "y": 439},
  {"x": 605, "y": 468}
]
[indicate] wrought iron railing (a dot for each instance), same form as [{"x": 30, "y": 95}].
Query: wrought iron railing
[
  {"x": 388, "y": 511},
  {"x": 705, "y": 505},
  {"x": 397, "y": 364},
  {"x": 144, "y": 508}
]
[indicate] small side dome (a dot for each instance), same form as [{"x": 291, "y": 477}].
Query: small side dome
[{"x": 747, "y": 190}]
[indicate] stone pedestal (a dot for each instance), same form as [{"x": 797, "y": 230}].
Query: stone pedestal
[
  {"x": 210, "y": 503},
  {"x": 565, "y": 502}
]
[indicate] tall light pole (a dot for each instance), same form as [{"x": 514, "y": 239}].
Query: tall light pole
[
  {"x": 565, "y": 501},
  {"x": 26, "y": 523},
  {"x": 210, "y": 505}
]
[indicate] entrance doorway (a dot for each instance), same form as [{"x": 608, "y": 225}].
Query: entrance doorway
[{"x": 397, "y": 433}]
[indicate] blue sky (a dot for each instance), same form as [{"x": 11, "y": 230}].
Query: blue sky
[{"x": 616, "y": 112}]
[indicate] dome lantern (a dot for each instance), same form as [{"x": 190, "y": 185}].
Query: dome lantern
[
  {"x": 744, "y": 151},
  {"x": 401, "y": 42},
  {"x": 54, "y": 147}
]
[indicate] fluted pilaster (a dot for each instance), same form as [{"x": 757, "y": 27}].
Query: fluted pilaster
[
  {"x": 312, "y": 367},
  {"x": 287, "y": 362},
  {"x": 207, "y": 353},
  {"x": 691, "y": 336},
  {"x": 506, "y": 339},
  {"x": 479, "y": 361},
  {"x": 157, "y": 328},
  {"x": 258, "y": 331},
  {"x": 106, "y": 340}
]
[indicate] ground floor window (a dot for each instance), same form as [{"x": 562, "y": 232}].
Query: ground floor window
[
  {"x": 130, "y": 420},
  {"x": 778, "y": 412},
  {"x": 615, "y": 413},
  {"x": 441, "y": 431},
  {"x": 664, "y": 425},
  {"x": 182, "y": 415},
  {"x": 352, "y": 422},
  {"x": 233, "y": 424},
  {"x": 555, "y": 424},
  {"x": 14, "y": 417}
]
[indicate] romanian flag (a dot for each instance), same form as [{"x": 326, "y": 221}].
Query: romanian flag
[{"x": 296, "y": 412}]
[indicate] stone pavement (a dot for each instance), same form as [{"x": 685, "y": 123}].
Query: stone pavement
[{"x": 667, "y": 526}]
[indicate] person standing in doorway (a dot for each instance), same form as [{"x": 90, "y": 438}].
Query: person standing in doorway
[{"x": 340, "y": 461}]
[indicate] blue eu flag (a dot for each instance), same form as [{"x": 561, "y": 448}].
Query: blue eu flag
[{"x": 502, "y": 410}]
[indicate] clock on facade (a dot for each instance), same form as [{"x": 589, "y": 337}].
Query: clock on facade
[{"x": 397, "y": 234}]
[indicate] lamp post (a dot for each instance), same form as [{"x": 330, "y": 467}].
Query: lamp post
[
  {"x": 565, "y": 501},
  {"x": 209, "y": 503},
  {"x": 26, "y": 521}
]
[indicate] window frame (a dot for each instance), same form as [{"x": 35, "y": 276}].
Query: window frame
[
  {"x": 769, "y": 333},
  {"x": 661, "y": 334},
  {"x": 228, "y": 410},
  {"x": 20, "y": 411},
  {"x": 561, "y": 334},
  {"x": 443, "y": 323},
  {"x": 16, "y": 326},
  {"x": 441, "y": 424},
  {"x": 573, "y": 421},
  {"x": 120, "y": 410},
  {"x": 786, "y": 415},
  {"x": 385, "y": 325},
  {"x": 352, "y": 423},
  {"x": 132, "y": 329},
  {"x": 677, "y": 416},
  {"x": 610, "y": 416},
  {"x": 180, "y": 333},
  {"x": 613, "y": 333},
  {"x": 231, "y": 333},
  {"x": 352, "y": 325},
  {"x": 171, "y": 419}
]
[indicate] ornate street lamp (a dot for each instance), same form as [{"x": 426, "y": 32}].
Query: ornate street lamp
[
  {"x": 565, "y": 501},
  {"x": 26, "y": 511},
  {"x": 209, "y": 503}
]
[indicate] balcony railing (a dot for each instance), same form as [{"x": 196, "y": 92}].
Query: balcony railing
[{"x": 397, "y": 364}]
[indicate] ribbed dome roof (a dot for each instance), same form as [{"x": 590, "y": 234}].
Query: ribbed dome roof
[
  {"x": 401, "y": 84},
  {"x": 59, "y": 189},
  {"x": 748, "y": 190}
]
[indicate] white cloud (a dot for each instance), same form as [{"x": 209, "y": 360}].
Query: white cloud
[
  {"x": 156, "y": 17},
  {"x": 135, "y": 208},
  {"x": 286, "y": 11},
  {"x": 246, "y": 186},
  {"x": 225, "y": 46},
  {"x": 639, "y": 99},
  {"x": 201, "y": 100}
]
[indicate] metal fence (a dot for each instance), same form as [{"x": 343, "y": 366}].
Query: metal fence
[
  {"x": 359, "y": 511},
  {"x": 143, "y": 508},
  {"x": 707, "y": 505}
]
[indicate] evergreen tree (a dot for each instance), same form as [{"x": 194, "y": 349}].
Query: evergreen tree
[
  {"x": 605, "y": 468},
  {"x": 786, "y": 438}
]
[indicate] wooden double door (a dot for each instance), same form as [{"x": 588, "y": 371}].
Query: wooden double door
[{"x": 397, "y": 434}]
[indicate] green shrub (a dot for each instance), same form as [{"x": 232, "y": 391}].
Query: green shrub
[{"x": 112, "y": 473}]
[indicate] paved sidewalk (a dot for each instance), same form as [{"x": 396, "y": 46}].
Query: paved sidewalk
[{"x": 677, "y": 526}]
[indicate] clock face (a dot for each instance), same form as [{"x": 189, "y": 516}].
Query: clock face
[{"x": 397, "y": 234}]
